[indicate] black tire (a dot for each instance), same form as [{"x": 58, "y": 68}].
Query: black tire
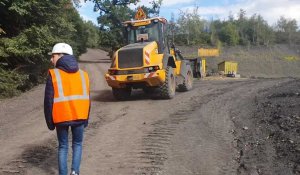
[
  {"x": 197, "y": 72},
  {"x": 121, "y": 93},
  {"x": 167, "y": 89},
  {"x": 187, "y": 82}
]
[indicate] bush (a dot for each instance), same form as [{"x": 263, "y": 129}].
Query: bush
[{"x": 11, "y": 83}]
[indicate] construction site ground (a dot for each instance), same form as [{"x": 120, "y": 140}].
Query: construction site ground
[{"x": 222, "y": 126}]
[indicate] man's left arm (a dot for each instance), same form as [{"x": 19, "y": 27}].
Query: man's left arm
[{"x": 48, "y": 103}]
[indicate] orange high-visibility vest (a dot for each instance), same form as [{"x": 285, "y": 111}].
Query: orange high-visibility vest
[{"x": 71, "y": 95}]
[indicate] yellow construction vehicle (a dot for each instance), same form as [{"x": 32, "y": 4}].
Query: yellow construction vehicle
[
  {"x": 199, "y": 64},
  {"x": 148, "y": 62}
]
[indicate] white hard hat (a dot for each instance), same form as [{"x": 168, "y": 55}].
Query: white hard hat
[{"x": 62, "y": 48}]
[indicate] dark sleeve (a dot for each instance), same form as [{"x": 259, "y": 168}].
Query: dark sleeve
[
  {"x": 87, "y": 121},
  {"x": 90, "y": 105},
  {"x": 48, "y": 103}
]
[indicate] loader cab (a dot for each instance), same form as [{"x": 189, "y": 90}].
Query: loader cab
[{"x": 147, "y": 30}]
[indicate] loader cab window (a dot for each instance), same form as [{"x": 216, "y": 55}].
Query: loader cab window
[
  {"x": 143, "y": 33},
  {"x": 148, "y": 33}
]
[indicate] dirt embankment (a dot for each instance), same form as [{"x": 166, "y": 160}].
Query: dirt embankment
[
  {"x": 256, "y": 61},
  {"x": 267, "y": 131}
]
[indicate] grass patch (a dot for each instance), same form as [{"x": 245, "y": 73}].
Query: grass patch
[{"x": 291, "y": 58}]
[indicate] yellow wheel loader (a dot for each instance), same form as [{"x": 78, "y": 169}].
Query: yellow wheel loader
[{"x": 148, "y": 62}]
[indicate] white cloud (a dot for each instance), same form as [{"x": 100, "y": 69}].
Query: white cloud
[
  {"x": 175, "y": 2},
  {"x": 165, "y": 3},
  {"x": 271, "y": 10}
]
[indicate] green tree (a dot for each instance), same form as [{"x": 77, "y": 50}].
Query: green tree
[
  {"x": 242, "y": 26},
  {"x": 229, "y": 34},
  {"x": 111, "y": 15},
  {"x": 260, "y": 32},
  {"x": 253, "y": 30},
  {"x": 93, "y": 36},
  {"x": 286, "y": 30},
  {"x": 172, "y": 28},
  {"x": 192, "y": 27},
  {"x": 29, "y": 29}
]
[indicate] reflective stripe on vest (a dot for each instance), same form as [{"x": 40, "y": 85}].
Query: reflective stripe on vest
[
  {"x": 71, "y": 95},
  {"x": 61, "y": 97}
]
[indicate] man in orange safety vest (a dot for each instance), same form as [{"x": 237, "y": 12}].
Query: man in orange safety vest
[{"x": 67, "y": 104}]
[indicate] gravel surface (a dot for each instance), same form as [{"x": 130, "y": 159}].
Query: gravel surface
[{"x": 222, "y": 126}]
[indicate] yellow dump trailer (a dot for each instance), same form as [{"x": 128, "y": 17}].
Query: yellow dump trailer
[
  {"x": 199, "y": 64},
  {"x": 208, "y": 52},
  {"x": 228, "y": 67}
]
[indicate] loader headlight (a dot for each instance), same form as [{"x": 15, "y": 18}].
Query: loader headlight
[
  {"x": 153, "y": 68},
  {"x": 112, "y": 72}
]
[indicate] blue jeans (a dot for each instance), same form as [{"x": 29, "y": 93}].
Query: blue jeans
[{"x": 77, "y": 137}]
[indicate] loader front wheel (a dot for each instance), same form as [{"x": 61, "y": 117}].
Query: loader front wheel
[
  {"x": 121, "y": 93},
  {"x": 167, "y": 89}
]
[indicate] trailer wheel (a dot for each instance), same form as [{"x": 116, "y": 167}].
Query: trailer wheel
[
  {"x": 167, "y": 89},
  {"x": 121, "y": 93},
  {"x": 188, "y": 82}
]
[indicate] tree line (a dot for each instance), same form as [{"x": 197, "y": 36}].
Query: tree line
[
  {"x": 191, "y": 29},
  {"x": 28, "y": 31}
]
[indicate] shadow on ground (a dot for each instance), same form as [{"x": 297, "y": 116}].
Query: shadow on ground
[
  {"x": 41, "y": 157},
  {"x": 107, "y": 96}
]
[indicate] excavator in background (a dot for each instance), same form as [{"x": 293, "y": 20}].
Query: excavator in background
[
  {"x": 148, "y": 62},
  {"x": 199, "y": 64}
]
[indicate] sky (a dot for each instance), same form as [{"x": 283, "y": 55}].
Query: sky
[{"x": 270, "y": 10}]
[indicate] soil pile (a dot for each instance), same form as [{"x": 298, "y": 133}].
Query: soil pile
[{"x": 268, "y": 138}]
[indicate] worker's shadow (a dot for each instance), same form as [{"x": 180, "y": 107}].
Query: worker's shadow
[{"x": 41, "y": 156}]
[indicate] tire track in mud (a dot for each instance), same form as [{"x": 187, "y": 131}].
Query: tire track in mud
[{"x": 156, "y": 142}]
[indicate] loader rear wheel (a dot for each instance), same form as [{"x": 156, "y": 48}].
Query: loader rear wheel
[
  {"x": 188, "y": 82},
  {"x": 121, "y": 93},
  {"x": 167, "y": 89}
]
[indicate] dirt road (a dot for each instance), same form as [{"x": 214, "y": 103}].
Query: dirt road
[{"x": 197, "y": 132}]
